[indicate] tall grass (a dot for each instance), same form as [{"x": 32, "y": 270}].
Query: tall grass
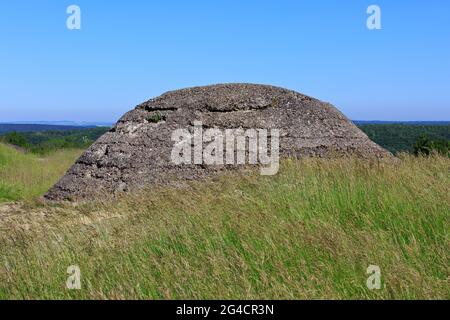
[
  {"x": 309, "y": 232},
  {"x": 26, "y": 175}
]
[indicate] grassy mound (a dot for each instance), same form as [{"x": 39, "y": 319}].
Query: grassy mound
[
  {"x": 25, "y": 175},
  {"x": 309, "y": 232}
]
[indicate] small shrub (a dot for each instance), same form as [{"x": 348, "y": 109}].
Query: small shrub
[
  {"x": 426, "y": 146},
  {"x": 16, "y": 139},
  {"x": 155, "y": 118}
]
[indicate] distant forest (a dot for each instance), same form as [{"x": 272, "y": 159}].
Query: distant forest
[
  {"x": 43, "y": 142},
  {"x": 413, "y": 138},
  {"x": 7, "y": 127},
  {"x": 403, "y": 137}
]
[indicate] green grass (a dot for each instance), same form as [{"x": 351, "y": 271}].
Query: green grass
[
  {"x": 24, "y": 176},
  {"x": 309, "y": 232}
]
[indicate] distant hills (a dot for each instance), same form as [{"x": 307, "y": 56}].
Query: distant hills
[
  {"x": 5, "y": 128},
  {"x": 422, "y": 123},
  {"x": 64, "y": 123},
  {"x": 41, "y": 127}
]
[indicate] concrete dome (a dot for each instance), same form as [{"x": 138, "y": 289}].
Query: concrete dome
[{"x": 136, "y": 152}]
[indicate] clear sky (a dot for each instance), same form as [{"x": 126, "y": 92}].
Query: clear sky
[{"x": 129, "y": 51}]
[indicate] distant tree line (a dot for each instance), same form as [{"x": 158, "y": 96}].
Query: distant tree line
[
  {"x": 411, "y": 138},
  {"x": 49, "y": 141}
]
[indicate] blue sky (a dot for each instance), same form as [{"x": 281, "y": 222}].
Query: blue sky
[{"x": 129, "y": 51}]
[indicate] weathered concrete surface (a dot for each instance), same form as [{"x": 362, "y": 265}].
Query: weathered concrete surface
[{"x": 136, "y": 152}]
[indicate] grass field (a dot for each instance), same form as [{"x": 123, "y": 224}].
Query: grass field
[
  {"x": 309, "y": 232},
  {"x": 24, "y": 175}
]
